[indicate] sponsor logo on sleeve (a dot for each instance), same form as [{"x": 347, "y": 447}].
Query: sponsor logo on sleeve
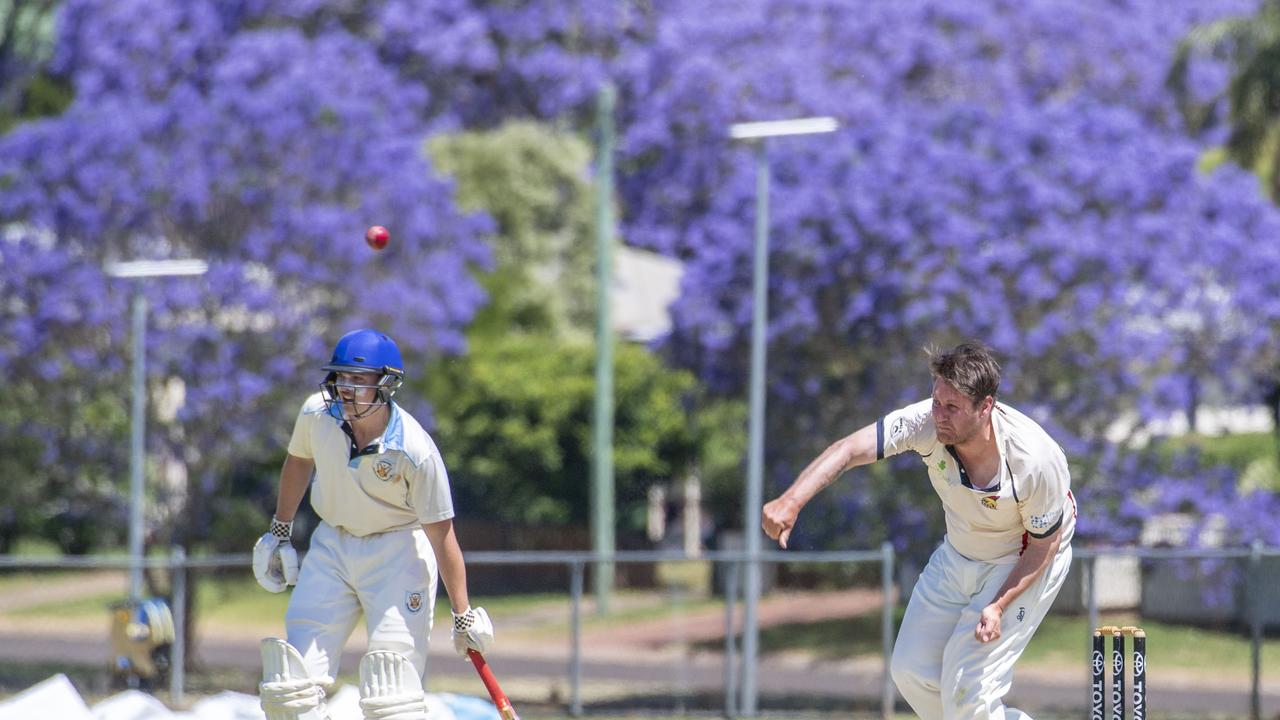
[
  {"x": 898, "y": 430},
  {"x": 1045, "y": 521}
]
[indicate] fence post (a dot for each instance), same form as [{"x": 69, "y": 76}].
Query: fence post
[
  {"x": 1255, "y": 630},
  {"x": 888, "y": 694},
  {"x": 178, "y": 654},
  {"x": 730, "y": 651},
  {"x": 575, "y": 634}
]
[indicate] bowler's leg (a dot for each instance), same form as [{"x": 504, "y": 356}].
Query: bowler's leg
[
  {"x": 929, "y": 621},
  {"x": 977, "y": 676}
]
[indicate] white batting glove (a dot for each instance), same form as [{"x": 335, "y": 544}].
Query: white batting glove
[
  {"x": 275, "y": 562},
  {"x": 472, "y": 630}
]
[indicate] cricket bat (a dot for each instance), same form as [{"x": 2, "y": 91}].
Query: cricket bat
[{"x": 491, "y": 684}]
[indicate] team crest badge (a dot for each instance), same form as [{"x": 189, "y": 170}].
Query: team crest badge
[
  {"x": 989, "y": 502},
  {"x": 383, "y": 469},
  {"x": 942, "y": 465},
  {"x": 413, "y": 602}
]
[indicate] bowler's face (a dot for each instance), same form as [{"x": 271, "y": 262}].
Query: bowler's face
[{"x": 957, "y": 417}]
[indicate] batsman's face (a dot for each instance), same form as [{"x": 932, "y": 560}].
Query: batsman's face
[
  {"x": 958, "y": 417},
  {"x": 356, "y": 389}
]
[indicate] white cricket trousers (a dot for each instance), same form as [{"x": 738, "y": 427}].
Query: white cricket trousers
[
  {"x": 938, "y": 665},
  {"x": 390, "y": 577}
]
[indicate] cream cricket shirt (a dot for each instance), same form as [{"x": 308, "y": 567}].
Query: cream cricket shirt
[
  {"x": 1031, "y": 493},
  {"x": 399, "y": 481}
]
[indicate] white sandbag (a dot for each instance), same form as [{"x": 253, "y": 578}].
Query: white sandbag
[
  {"x": 52, "y": 698},
  {"x": 131, "y": 705}
]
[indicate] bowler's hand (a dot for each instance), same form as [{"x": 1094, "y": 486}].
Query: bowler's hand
[
  {"x": 989, "y": 624},
  {"x": 778, "y": 517}
]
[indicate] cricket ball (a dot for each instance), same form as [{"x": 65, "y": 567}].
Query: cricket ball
[{"x": 377, "y": 237}]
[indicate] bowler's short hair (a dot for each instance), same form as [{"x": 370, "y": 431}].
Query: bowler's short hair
[{"x": 969, "y": 367}]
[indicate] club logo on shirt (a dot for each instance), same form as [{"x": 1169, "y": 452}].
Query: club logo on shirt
[
  {"x": 413, "y": 601},
  {"x": 989, "y": 502},
  {"x": 942, "y": 465},
  {"x": 383, "y": 469}
]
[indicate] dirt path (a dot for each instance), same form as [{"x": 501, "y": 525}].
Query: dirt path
[
  {"x": 708, "y": 623},
  {"x": 63, "y": 589}
]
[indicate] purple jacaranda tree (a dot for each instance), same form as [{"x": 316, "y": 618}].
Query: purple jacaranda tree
[
  {"x": 1015, "y": 172},
  {"x": 263, "y": 149}
]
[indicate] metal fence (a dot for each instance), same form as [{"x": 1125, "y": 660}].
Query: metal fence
[{"x": 1254, "y": 600}]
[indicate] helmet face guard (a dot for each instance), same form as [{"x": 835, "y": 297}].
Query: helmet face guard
[
  {"x": 362, "y": 351},
  {"x": 332, "y": 386}
]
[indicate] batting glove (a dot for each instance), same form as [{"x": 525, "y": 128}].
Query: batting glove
[
  {"x": 472, "y": 630},
  {"x": 275, "y": 562}
]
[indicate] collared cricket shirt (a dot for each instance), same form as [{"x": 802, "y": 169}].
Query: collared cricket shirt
[
  {"x": 398, "y": 481},
  {"x": 1031, "y": 493}
]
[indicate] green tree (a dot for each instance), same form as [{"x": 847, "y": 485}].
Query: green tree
[
  {"x": 26, "y": 43},
  {"x": 1251, "y": 46},
  {"x": 533, "y": 181},
  {"x": 514, "y": 422}
]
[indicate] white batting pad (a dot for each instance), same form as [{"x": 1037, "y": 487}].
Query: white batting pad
[
  {"x": 287, "y": 691},
  {"x": 390, "y": 687}
]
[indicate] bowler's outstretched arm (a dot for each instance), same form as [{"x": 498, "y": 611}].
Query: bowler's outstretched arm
[{"x": 779, "y": 515}]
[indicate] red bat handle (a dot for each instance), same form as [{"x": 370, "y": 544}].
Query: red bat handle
[{"x": 491, "y": 684}]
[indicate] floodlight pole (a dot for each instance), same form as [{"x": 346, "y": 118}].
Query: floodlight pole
[
  {"x": 756, "y": 133},
  {"x": 138, "y": 423}
]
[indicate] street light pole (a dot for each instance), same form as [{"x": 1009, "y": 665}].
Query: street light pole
[
  {"x": 137, "y": 442},
  {"x": 603, "y": 533},
  {"x": 142, "y": 269},
  {"x": 756, "y": 133}
]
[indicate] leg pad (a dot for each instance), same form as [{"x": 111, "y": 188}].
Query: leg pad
[
  {"x": 287, "y": 691},
  {"x": 390, "y": 687}
]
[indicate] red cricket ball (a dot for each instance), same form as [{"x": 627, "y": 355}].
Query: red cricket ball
[{"x": 377, "y": 237}]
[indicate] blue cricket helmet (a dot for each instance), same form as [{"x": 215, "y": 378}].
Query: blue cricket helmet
[
  {"x": 366, "y": 350},
  {"x": 362, "y": 351}
]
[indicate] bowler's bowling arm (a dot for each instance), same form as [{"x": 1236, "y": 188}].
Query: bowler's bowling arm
[{"x": 855, "y": 450}]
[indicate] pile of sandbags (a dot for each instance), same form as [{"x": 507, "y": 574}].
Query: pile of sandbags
[{"x": 57, "y": 699}]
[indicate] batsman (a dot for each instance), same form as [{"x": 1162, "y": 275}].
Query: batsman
[
  {"x": 386, "y": 533},
  {"x": 1010, "y": 516}
]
